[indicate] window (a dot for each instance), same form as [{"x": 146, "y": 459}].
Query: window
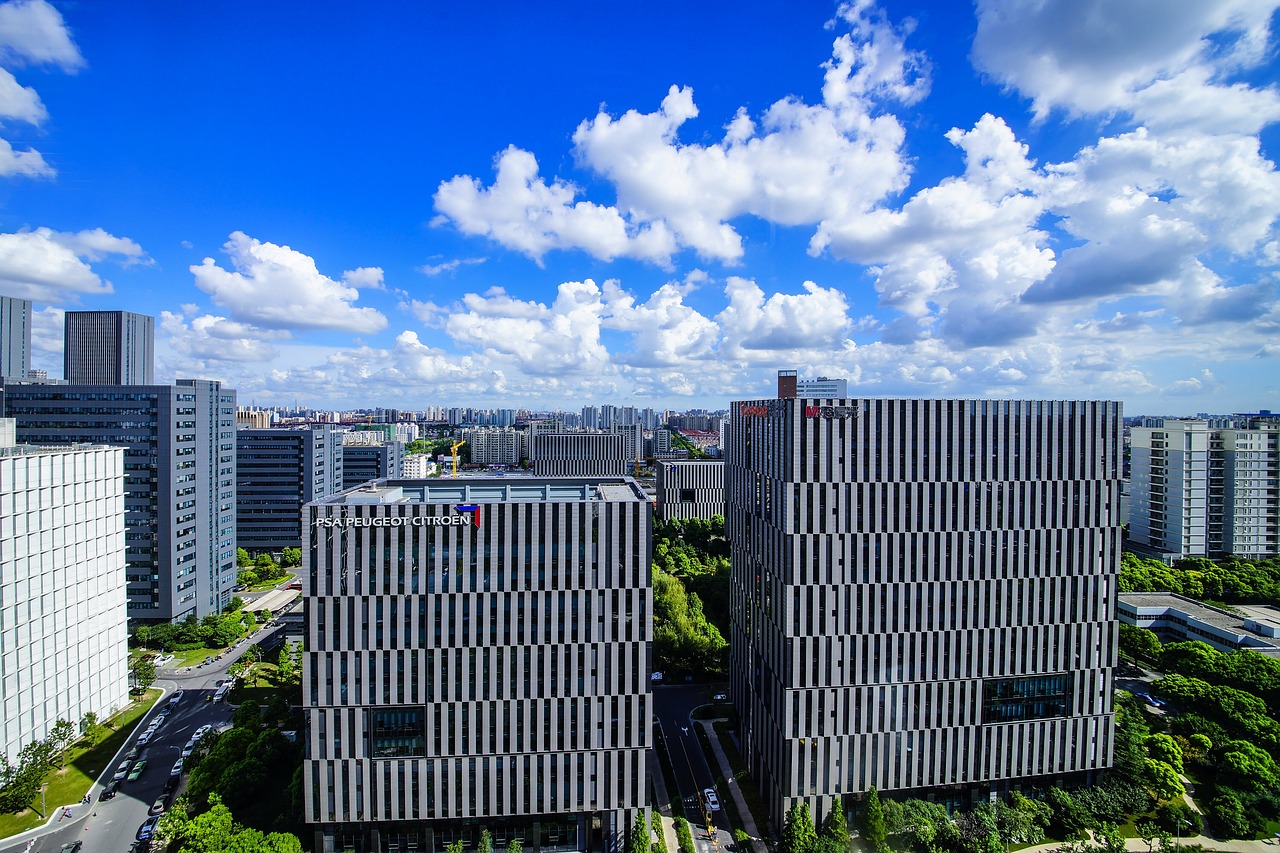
[
  {"x": 396, "y": 732},
  {"x": 1038, "y": 697}
]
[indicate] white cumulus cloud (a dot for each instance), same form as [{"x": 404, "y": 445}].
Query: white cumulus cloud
[
  {"x": 280, "y": 288},
  {"x": 53, "y": 266}
]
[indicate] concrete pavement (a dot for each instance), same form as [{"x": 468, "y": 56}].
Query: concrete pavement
[{"x": 731, "y": 783}]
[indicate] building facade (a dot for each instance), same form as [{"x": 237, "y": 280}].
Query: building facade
[
  {"x": 277, "y": 472},
  {"x": 109, "y": 348},
  {"x": 364, "y": 462},
  {"x": 62, "y": 597},
  {"x": 1197, "y": 490},
  {"x": 179, "y": 481},
  {"x": 579, "y": 454},
  {"x": 823, "y": 387},
  {"x": 15, "y": 338},
  {"x": 690, "y": 489},
  {"x": 922, "y": 594},
  {"x": 493, "y": 445},
  {"x": 477, "y": 656}
]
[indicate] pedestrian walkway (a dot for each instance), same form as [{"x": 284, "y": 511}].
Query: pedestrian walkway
[
  {"x": 731, "y": 783},
  {"x": 1137, "y": 845}
]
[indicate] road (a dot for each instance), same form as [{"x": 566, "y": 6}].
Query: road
[
  {"x": 672, "y": 706},
  {"x": 113, "y": 824}
]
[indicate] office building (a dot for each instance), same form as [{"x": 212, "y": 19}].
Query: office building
[
  {"x": 1177, "y": 619},
  {"x": 823, "y": 388},
  {"x": 364, "y": 462},
  {"x": 690, "y": 489},
  {"x": 180, "y": 481},
  {"x": 15, "y": 338},
  {"x": 537, "y": 428},
  {"x": 1201, "y": 491},
  {"x": 253, "y": 418},
  {"x": 633, "y": 441},
  {"x": 477, "y": 656},
  {"x": 62, "y": 602},
  {"x": 108, "y": 348},
  {"x": 922, "y": 595},
  {"x": 579, "y": 454},
  {"x": 277, "y": 472}
]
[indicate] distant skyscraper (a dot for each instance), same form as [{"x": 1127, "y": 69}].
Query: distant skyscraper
[
  {"x": 62, "y": 613},
  {"x": 277, "y": 472},
  {"x": 15, "y": 337},
  {"x": 922, "y": 594},
  {"x": 364, "y": 462},
  {"x": 179, "y": 481},
  {"x": 109, "y": 348}
]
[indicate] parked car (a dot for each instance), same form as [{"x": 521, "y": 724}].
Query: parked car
[
  {"x": 109, "y": 791},
  {"x": 720, "y": 697},
  {"x": 177, "y": 769},
  {"x": 175, "y": 698},
  {"x": 145, "y": 737},
  {"x": 131, "y": 754},
  {"x": 137, "y": 770},
  {"x": 294, "y": 585},
  {"x": 73, "y": 847},
  {"x": 712, "y": 801},
  {"x": 122, "y": 771},
  {"x": 160, "y": 804},
  {"x": 148, "y": 828},
  {"x": 202, "y": 731}
]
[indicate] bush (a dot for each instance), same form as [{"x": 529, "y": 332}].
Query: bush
[
  {"x": 740, "y": 836},
  {"x": 1230, "y": 818},
  {"x": 684, "y": 835},
  {"x": 1168, "y": 815}
]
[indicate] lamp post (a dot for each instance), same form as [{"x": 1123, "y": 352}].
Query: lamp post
[
  {"x": 1178, "y": 838},
  {"x": 43, "y": 808}
]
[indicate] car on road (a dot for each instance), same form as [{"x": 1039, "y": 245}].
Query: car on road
[
  {"x": 720, "y": 697},
  {"x": 137, "y": 770},
  {"x": 145, "y": 737},
  {"x": 177, "y": 768},
  {"x": 160, "y": 804},
  {"x": 202, "y": 731},
  {"x": 294, "y": 585},
  {"x": 122, "y": 771},
  {"x": 175, "y": 698},
  {"x": 109, "y": 791},
  {"x": 148, "y": 828},
  {"x": 131, "y": 754},
  {"x": 712, "y": 801},
  {"x": 73, "y": 847}
]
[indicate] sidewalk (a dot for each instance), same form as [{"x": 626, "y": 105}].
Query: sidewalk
[
  {"x": 744, "y": 811},
  {"x": 1137, "y": 845}
]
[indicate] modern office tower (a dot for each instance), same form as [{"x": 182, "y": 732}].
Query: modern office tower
[
  {"x": 579, "y": 454},
  {"x": 180, "y": 481},
  {"x": 109, "y": 348},
  {"x": 922, "y": 594},
  {"x": 1200, "y": 491},
  {"x": 493, "y": 445},
  {"x": 364, "y": 462},
  {"x": 477, "y": 657},
  {"x": 15, "y": 338},
  {"x": 537, "y": 427},
  {"x": 690, "y": 489},
  {"x": 62, "y": 605},
  {"x": 822, "y": 387},
  {"x": 277, "y": 472}
]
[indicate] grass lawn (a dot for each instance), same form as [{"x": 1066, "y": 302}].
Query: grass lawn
[
  {"x": 745, "y": 783},
  {"x": 260, "y": 686},
  {"x": 84, "y": 764}
]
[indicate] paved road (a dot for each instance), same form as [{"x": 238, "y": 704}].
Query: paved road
[
  {"x": 112, "y": 825},
  {"x": 672, "y": 706}
]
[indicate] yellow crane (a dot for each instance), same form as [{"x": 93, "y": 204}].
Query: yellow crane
[{"x": 454, "y": 452}]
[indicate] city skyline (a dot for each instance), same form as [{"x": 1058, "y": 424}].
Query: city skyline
[{"x": 656, "y": 205}]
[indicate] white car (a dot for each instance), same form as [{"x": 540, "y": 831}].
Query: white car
[
  {"x": 202, "y": 731},
  {"x": 177, "y": 769},
  {"x": 145, "y": 737},
  {"x": 712, "y": 801}
]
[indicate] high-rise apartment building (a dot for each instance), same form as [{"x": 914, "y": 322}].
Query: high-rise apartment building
[
  {"x": 922, "y": 594},
  {"x": 62, "y": 603},
  {"x": 15, "y": 338},
  {"x": 477, "y": 656},
  {"x": 179, "y": 481},
  {"x": 277, "y": 472},
  {"x": 579, "y": 454},
  {"x": 493, "y": 445},
  {"x": 1201, "y": 491},
  {"x": 109, "y": 348}
]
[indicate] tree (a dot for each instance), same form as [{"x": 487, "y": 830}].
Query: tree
[
  {"x": 1163, "y": 780},
  {"x": 1149, "y": 833},
  {"x": 142, "y": 634},
  {"x": 254, "y": 652},
  {"x": 920, "y": 821},
  {"x": 1246, "y": 766},
  {"x": 638, "y": 838},
  {"x": 247, "y": 716},
  {"x": 242, "y": 558},
  {"x": 90, "y": 727},
  {"x": 836, "y": 827},
  {"x": 872, "y": 822},
  {"x": 216, "y": 831},
  {"x": 60, "y": 737},
  {"x": 456, "y": 847},
  {"x": 514, "y": 846},
  {"x": 1230, "y": 818},
  {"x": 1162, "y": 747},
  {"x": 798, "y": 833},
  {"x": 290, "y": 557},
  {"x": 144, "y": 674},
  {"x": 486, "y": 839},
  {"x": 1139, "y": 643}
]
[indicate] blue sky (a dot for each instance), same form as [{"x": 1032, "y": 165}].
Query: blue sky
[{"x": 562, "y": 204}]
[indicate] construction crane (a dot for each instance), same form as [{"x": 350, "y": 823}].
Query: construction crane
[{"x": 454, "y": 451}]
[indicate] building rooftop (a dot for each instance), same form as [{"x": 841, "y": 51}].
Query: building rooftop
[
  {"x": 498, "y": 489},
  {"x": 1252, "y": 626}
]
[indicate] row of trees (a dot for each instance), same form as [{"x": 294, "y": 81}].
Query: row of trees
[
  {"x": 1230, "y": 579},
  {"x": 214, "y": 630},
  {"x": 20, "y": 783},
  {"x": 690, "y": 567}
]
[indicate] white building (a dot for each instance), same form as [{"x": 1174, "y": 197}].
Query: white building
[
  {"x": 493, "y": 445},
  {"x": 823, "y": 388},
  {"x": 63, "y": 611},
  {"x": 418, "y": 466},
  {"x": 1197, "y": 491}
]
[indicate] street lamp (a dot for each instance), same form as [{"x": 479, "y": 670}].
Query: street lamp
[
  {"x": 1178, "y": 829},
  {"x": 43, "y": 808}
]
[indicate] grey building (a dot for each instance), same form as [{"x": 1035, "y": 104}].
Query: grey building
[
  {"x": 277, "y": 471},
  {"x": 1176, "y": 618},
  {"x": 364, "y": 462},
  {"x": 923, "y": 594},
  {"x": 690, "y": 489},
  {"x": 579, "y": 454},
  {"x": 477, "y": 656},
  {"x": 109, "y": 348},
  {"x": 180, "y": 481},
  {"x": 15, "y": 338}
]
